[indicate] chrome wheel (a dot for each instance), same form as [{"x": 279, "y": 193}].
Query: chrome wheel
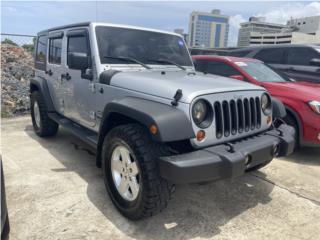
[
  {"x": 125, "y": 173},
  {"x": 36, "y": 113}
]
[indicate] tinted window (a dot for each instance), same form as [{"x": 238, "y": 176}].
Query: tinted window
[
  {"x": 301, "y": 56},
  {"x": 140, "y": 45},
  {"x": 41, "y": 49},
  {"x": 78, "y": 44},
  {"x": 218, "y": 68},
  {"x": 200, "y": 65},
  {"x": 271, "y": 55},
  {"x": 55, "y": 47}
]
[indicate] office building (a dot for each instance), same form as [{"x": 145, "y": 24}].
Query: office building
[
  {"x": 208, "y": 30},
  {"x": 256, "y": 26},
  {"x": 297, "y": 31},
  {"x": 308, "y": 25}
]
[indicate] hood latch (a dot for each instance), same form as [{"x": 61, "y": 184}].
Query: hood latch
[{"x": 176, "y": 98}]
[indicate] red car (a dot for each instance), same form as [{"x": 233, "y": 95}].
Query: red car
[{"x": 301, "y": 99}]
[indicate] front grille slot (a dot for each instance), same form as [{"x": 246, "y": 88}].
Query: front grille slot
[
  {"x": 218, "y": 118},
  {"x": 232, "y": 117},
  {"x": 246, "y": 114},
  {"x": 241, "y": 115},
  {"x": 253, "y": 114},
  {"x": 258, "y": 107},
  {"x": 226, "y": 118}
]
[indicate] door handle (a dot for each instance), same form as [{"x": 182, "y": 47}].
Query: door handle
[
  {"x": 49, "y": 72},
  {"x": 66, "y": 76}
]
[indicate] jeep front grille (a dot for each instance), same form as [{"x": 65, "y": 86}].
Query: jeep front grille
[{"x": 237, "y": 116}]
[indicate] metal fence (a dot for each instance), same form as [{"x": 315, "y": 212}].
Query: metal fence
[{"x": 22, "y": 40}]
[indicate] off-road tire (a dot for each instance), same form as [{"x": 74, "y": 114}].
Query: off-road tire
[
  {"x": 155, "y": 192},
  {"x": 47, "y": 127}
]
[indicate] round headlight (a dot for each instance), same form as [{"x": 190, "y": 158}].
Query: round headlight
[
  {"x": 202, "y": 113},
  {"x": 266, "y": 104}
]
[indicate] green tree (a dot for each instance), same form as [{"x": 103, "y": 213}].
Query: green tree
[{"x": 9, "y": 41}]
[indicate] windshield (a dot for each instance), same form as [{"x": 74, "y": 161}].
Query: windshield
[
  {"x": 143, "y": 46},
  {"x": 260, "y": 72}
]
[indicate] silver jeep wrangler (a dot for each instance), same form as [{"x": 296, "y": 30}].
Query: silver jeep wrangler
[{"x": 133, "y": 94}]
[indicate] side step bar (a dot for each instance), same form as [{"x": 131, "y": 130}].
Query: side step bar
[{"x": 87, "y": 135}]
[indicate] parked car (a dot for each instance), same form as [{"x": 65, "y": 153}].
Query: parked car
[
  {"x": 5, "y": 226},
  {"x": 301, "y": 99},
  {"x": 300, "y": 62},
  {"x": 132, "y": 93}
]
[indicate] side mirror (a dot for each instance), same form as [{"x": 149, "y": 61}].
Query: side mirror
[
  {"x": 78, "y": 61},
  {"x": 237, "y": 77},
  {"x": 315, "y": 62}
]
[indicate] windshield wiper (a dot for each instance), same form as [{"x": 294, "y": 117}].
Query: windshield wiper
[
  {"x": 167, "y": 61},
  {"x": 128, "y": 59}
]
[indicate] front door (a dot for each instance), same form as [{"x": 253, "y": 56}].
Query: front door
[{"x": 80, "y": 89}]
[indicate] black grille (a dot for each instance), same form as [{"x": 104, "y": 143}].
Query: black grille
[{"x": 233, "y": 117}]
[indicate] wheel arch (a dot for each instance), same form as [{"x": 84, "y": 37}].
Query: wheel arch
[
  {"x": 40, "y": 84},
  {"x": 291, "y": 112},
  {"x": 172, "y": 123}
]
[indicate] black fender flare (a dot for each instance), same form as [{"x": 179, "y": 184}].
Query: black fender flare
[
  {"x": 172, "y": 123},
  {"x": 41, "y": 85},
  {"x": 298, "y": 120},
  {"x": 278, "y": 109}
]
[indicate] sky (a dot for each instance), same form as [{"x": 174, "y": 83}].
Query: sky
[{"x": 29, "y": 17}]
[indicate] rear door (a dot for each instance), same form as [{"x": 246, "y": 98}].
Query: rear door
[
  {"x": 299, "y": 67},
  {"x": 54, "y": 69}
]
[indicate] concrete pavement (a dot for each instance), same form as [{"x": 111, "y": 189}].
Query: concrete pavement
[{"x": 54, "y": 191}]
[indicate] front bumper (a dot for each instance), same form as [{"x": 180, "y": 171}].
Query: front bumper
[{"x": 228, "y": 160}]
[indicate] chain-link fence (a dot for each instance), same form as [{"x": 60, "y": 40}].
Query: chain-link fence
[{"x": 22, "y": 40}]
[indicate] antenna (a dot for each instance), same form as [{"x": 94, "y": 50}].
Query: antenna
[{"x": 96, "y": 6}]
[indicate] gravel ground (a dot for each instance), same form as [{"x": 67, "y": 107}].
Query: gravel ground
[{"x": 54, "y": 191}]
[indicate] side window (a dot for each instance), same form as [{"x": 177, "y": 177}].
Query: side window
[
  {"x": 41, "y": 52},
  {"x": 271, "y": 55},
  {"x": 41, "y": 49},
  {"x": 222, "y": 69},
  {"x": 217, "y": 68},
  {"x": 301, "y": 56},
  {"x": 78, "y": 44},
  {"x": 55, "y": 46},
  {"x": 201, "y": 65}
]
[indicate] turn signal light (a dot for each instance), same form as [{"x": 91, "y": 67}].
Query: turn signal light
[
  {"x": 201, "y": 135},
  {"x": 269, "y": 119},
  {"x": 153, "y": 129}
]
